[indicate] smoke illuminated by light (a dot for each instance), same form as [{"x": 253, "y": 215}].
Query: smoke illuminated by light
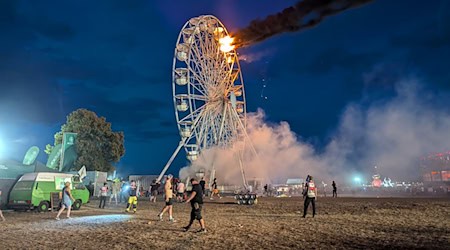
[{"x": 225, "y": 44}]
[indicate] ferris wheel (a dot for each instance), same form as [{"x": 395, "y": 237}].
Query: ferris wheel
[{"x": 208, "y": 89}]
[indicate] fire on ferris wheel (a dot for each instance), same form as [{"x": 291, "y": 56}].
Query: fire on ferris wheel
[{"x": 208, "y": 92}]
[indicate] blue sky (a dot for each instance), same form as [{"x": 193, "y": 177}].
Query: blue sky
[{"x": 115, "y": 58}]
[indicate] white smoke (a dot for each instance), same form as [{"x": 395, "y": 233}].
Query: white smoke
[{"x": 391, "y": 135}]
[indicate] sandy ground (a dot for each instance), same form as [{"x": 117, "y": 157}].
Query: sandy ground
[{"x": 275, "y": 223}]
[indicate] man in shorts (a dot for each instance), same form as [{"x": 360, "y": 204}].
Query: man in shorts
[
  {"x": 180, "y": 192},
  {"x": 168, "y": 198},
  {"x": 215, "y": 190},
  {"x": 196, "y": 200}
]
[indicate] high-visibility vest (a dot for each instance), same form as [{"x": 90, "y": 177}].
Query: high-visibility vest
[{"x": 311, "y": 190}]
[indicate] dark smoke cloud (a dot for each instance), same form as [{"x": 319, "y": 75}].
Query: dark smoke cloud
[{"x": 304, "y": 14}]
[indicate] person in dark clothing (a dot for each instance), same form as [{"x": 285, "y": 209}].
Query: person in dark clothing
[
  {"x": 154, "y": 191},
  {"x": 196, "y": 200},
  {"x": 310, "y": 195},
  {"x": 202, "y": 185},
  {"x": 334, "y": 189}
]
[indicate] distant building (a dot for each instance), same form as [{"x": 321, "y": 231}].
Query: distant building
[
  {"x": 435, "y": 170},
  {"x": 143, "y": 181}
]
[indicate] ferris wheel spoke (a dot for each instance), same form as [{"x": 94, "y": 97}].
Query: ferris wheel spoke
[{"x": 192, "y": 116}]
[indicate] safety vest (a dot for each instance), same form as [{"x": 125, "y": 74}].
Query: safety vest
[{"x": 311, "y": 190}]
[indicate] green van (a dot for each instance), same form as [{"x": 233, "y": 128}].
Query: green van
[{"x": 33, "y": 191}]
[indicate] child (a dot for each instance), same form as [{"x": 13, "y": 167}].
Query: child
[{"x": 132, "y": 200}]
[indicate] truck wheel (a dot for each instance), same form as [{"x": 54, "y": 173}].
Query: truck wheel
[
  {"x": 76, "y": 205},
  {"x": 43, "y": 206}
]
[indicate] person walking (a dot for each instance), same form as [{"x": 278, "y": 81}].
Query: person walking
[
  {"x": 168, "y": 198},
  {"x": 196, "y": 200},
  {"x": 1, "y": 214},
  {"x": 67, "y": 200},
  {"x": 310, "y": 196},
  {"x": 334, "y": 189},
  {"x": 132, "y": 199},
  {"x": 103, "y": 195},
  {"x": 215, "y": 190}
]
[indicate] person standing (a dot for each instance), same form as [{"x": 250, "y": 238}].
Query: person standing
[
  {"x": 67, "y": 200},
  {"x": 334, "y": 189},
  {"x": 196, "y": 200},
  {"x": 310, "y": 195},
  {"x": 103, "y": 195},
  {"x": 168, "y": 198},
  {"x": 115, "y": 191},
  {"x": 180, "y": 191},
  {"x": 1, "y": 214},
  {"x": 154, "y": 191},
  {"x": 203, "y": 184},
  {"x": 132, "y": 200}
]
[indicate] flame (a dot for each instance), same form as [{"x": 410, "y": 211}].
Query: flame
[{"x": 225, "y": 44}]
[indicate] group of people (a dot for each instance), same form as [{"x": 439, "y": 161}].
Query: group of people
[{"x": 195, "y": 199}]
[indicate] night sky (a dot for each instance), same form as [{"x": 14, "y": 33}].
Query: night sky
[{"x": 115, "y": 58}]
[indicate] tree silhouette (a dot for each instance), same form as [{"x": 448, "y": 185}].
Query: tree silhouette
[{"x": 97, "y": 145}]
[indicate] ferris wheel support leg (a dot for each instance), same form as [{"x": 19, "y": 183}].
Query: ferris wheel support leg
[
  {"x": 170, "y": 160},
  {"x": 244, "y": 180}
]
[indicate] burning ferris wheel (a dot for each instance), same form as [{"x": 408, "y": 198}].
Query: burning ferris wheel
[{"x": 208, "y": 90}]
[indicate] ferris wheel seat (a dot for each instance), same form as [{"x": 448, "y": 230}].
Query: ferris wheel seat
[
  {"x": 182, "y": 106},
  {"x": 183, "y": 80},
  {"x": 238, "y": 92},
  {"x": 185, "y": 132},
  {"x": 192, "y": 155},
  {"x": 182, "y": 51},
  {"x": 195, "y": 20},
  {"x": 182, "y": 56},
  {"x": 190, "y": 31}
]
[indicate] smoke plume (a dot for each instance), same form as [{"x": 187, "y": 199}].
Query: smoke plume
[
  {"x": 392, "y": 135},
  {"x": 304, "y": 14}
]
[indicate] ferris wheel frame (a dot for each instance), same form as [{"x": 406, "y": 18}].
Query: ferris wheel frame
[{"x": 208, "y": 89}]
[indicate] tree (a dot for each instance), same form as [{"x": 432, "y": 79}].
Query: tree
[
  {"x": 48, "y": 149},
  {"x": 97, "y": 145}
]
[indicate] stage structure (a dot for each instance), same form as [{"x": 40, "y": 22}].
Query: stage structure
[{"x": 208, "y": 92}]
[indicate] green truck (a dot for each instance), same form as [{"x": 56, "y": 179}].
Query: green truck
[{"x": 34, "y": 191}]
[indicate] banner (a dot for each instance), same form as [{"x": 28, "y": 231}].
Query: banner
[
  {"x": 68, "y": 151},
  {"x": 54, "y": 157}
]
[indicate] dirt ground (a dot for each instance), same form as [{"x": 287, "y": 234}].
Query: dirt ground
[{"x": 274, "y": 223}]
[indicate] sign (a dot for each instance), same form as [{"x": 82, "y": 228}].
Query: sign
[
  {"x": 54, "y": 200},
  {"x": 61, "y": 181},
  {"x": 31, "y": 155},
  {"x": 54, "y": 157},
  {"x": 82, "y": 172}
]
